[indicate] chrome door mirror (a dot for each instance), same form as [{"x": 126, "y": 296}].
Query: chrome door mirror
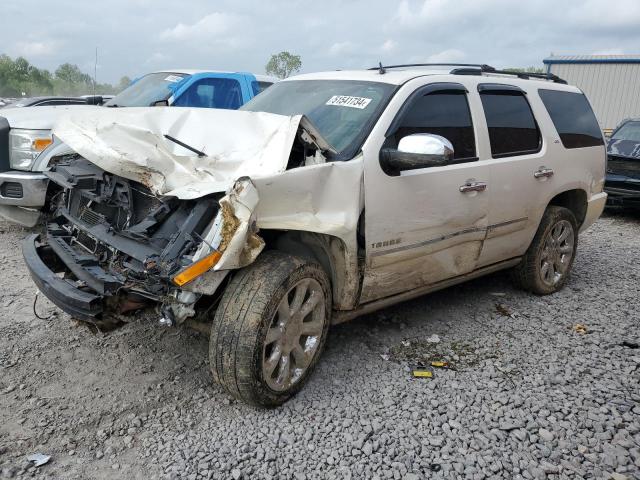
[{"x": 419, "y": 150}]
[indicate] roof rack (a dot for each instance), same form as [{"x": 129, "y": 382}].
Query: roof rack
[{"x": 475, "y": 69}]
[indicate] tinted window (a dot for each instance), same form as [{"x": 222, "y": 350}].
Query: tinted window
[
  {"x": 212, "y": 93},
  {"x": 152, "y": 88},
  {"x": 512, "y": 128},
  {"x": 573, "y": 118},
  {"x": 444, "y": 113}
]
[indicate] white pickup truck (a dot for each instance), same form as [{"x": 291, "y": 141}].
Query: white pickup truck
[
  {"x": 26, "y": 132},
  {"x": 329, "y": 196}
]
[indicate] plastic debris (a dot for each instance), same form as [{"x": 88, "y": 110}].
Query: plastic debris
[
  {"x": 421, "y": 373},
  {"x": 406, "y": 343},
  {"x": 39, "y": 459},
  {"x": 433, "y": 339},
  {"x": 439, "y": 364},
  {"x": 580, "y": 328},
  {"x": 384, "y": 356}
]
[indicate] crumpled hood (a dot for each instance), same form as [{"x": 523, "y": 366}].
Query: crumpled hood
[
  {"x": 131, "y": 142},
  {"x": 624, "y": 148},
  {"x": 41, "y": 118}
]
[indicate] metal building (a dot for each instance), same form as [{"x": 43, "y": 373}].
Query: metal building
[{"x": 611, "y": 82}]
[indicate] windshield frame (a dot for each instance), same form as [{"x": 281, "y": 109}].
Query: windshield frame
[{"x": 352, "y": 149}]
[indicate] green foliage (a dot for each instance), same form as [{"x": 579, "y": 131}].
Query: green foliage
[
  {"x": 283, "y": 64},
  {"x": 19, "y": 78}
]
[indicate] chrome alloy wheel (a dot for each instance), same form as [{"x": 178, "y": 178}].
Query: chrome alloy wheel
[
  {"x": 557, "y": 253},
  {"x": 294, "y": 335}
]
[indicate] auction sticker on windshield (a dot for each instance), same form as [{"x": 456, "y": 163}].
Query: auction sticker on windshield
[
  {"x": 348, "y": 101},
  {"x": 173, "y": 78}
]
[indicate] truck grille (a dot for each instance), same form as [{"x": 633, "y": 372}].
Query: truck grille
[{"x": 623, "y": 166}]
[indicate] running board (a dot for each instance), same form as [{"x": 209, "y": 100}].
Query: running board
[{"x": 341, "y": 316}]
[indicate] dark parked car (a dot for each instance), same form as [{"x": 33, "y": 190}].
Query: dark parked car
[
  {"x": 50, "y": 101},
  {"x": 623, "y": 164}
]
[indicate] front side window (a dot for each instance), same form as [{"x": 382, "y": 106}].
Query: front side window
[
  {"x": 150, "y": 89},
  {"x": 212, "y": 93},
  {"x": 512, "y": 127},
  {"x": 342, "y": 110},
  {"x": 573, "y": 118},
  {"x": 445, "y": 113}
]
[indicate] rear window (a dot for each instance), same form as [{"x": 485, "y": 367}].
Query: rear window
[
  {"x": 573, "y": 118},
  {"x": 512, "y": 127},
  {"x": 259, "y": 87}
]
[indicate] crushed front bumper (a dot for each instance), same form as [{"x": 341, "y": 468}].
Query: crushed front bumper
[
  {"x": 622, "y": 190},
  {"x": 76, "y": 302}
]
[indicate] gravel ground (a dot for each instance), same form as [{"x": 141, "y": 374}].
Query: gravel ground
[{"x": 529, "y": 393}]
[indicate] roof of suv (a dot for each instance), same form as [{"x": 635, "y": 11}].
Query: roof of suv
[{"x": 398, "y": 76}]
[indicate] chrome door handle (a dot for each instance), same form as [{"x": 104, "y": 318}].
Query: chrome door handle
[
  {"x": 473, "y": 187},
  {"x": 543, "y": 172}
]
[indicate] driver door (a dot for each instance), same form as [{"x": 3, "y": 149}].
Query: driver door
[{"x": 422, "y": 225}]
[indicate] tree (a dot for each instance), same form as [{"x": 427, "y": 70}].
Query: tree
[{"x": 283, "y": 64}]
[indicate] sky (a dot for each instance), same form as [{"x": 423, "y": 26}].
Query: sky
[{"x": 137, "y": 36}]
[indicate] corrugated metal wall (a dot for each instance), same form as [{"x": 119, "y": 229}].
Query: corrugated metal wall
[{"x": 612, "y": 88}]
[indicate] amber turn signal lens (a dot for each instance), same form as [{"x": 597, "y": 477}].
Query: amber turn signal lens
[
  {"x": 196, "y": 269},
  {"x": 40, "y": 144}
]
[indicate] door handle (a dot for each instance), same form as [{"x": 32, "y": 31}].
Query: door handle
[
  {"x": 543, "y": 172},
  {"x": 472, "y": 186}
]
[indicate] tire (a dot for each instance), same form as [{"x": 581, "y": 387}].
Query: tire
[
  {"x": 253, "y": 333},
  {"x": 547, "y": 263}
]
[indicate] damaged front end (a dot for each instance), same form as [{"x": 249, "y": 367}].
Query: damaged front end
[{"x": 114, "y": 247}]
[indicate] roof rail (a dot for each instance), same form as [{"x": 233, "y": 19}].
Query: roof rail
[
  {"x": 473, "y": 69},
  {"x": 477, "y": 65},
  {"x": 522, "y": 75}
]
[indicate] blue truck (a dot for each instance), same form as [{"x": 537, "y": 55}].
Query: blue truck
[{"x": 25, "y": 133}]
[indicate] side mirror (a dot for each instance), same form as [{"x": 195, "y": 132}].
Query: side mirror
[{"x": 420, "y": 150}]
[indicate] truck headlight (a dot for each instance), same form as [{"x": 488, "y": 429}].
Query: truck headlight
[{"x": 26, "y": 145}]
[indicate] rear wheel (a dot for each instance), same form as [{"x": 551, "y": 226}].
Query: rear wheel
[
  {"x": 270, "y": 328},
  {"x": 547, "y": 263}
]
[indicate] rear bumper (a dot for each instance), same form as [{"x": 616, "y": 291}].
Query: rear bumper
[
  {"x": 595, "y": 207},
  {"x": 24, "y": 189},
  {"x": 77, "y": 303}
]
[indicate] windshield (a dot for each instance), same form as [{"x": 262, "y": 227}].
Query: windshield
[
  {"x": 150, "y": 89},
  {"x": 628, "y": 131},
  {"x": 342, "y": 110}
]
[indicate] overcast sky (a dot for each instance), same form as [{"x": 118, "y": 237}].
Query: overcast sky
[{"x": 137, "y": 36}]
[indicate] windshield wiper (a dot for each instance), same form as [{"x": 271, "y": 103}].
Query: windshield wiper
[{"x": 184, "y": 145}]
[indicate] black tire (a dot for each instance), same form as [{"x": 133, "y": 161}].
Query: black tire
[
  {"x": 528, "y": 274},
  {"x": 245, "y": 315}
]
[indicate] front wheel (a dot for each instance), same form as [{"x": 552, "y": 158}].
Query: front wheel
[
  {"x": 270, "y": 328},
  {"x": 547, "y": 263}
]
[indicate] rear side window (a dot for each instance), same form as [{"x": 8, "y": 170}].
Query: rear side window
[
  {"x": 573, "y": 118},
  {"x": 512, "y": 127},
  {"x": 445, "y": 113},
  {"x": 258, "y": 87}
]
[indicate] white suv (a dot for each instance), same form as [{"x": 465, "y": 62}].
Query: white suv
[{"x": 354, "y": 191}]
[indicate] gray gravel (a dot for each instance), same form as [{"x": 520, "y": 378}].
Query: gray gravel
[{"x": 527, "y": 395}]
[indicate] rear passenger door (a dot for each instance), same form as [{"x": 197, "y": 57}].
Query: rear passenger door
[{"x": 521, "y": 172}]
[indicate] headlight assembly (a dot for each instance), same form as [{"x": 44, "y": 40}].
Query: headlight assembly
[{"x": 26, "y": 145}]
